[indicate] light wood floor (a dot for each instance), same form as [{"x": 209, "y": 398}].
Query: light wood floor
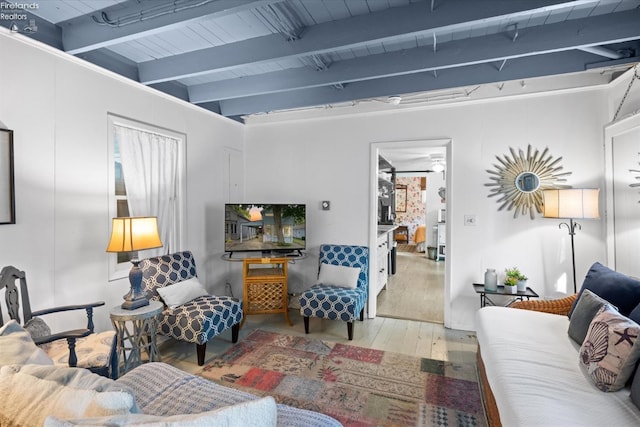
[
  {"x": 416, "y": 291},
  {"x": 420, "y": 339}
]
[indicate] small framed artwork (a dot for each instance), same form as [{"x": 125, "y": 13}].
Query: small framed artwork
[
  {"x": 401, "y": 198},
  {"x": 7, "y": 199}
]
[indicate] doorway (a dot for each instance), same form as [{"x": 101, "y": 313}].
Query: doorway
[{"x": 407, "y": 294}]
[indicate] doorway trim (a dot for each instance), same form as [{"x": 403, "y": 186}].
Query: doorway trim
[
  {"x": 611, "y": 132},
  {"x": 376, "y": 147}
]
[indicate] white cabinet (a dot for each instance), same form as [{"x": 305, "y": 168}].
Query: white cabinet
[
  {"x": 382, "y": 261},
  {"x": 441, "y": 233}
]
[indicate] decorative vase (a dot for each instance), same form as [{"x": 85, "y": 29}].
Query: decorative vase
[
  {"x": 490, "y": 280},
  {"x": 510, "y": 289},
  {"x": 522, "y": 285}
]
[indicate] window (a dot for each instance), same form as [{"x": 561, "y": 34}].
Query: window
[{"x": 146, "y": 179}]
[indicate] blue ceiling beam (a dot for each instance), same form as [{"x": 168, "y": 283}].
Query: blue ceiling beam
[
  {"x": 83, "y": 34},
  {"x": 521, "y": 68},
  {"x": 385, "y": 26},
  {"x": 604, "y": 29},
  {"x": 112, "y": 61}
]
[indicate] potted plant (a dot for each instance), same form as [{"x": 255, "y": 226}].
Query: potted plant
[
  {"x": 517, "y": 276},
  {"x": 510, "y": 284},
  {"x": 522, "y": 283}
]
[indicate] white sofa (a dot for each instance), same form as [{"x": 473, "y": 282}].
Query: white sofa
[
  {"x": 532, "y": 369},
  {"x": 566, "y": 362}
]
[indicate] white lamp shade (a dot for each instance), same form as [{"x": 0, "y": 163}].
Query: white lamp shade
[
  {"x": 571, "y": 203},
  {"x": 134, "y": 234}
]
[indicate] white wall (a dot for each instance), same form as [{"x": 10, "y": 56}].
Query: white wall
[
  {"x": 309, "y": 160},
  {"x": 57, "y": 106}
]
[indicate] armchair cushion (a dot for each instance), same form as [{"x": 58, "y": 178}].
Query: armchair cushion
[
  {"x": 93, "y": 351},
  {"x": 178, "y": 294},
  {"x": 338, "y": 275},
  {"x": 333, "y": 302},
  {"x": 17, "y": 347},
  {"x": 201, "y": 319}
]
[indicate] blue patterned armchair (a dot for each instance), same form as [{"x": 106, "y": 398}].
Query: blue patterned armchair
[
  {"x": 336, "y": 302},
  {"x": 195, "y": 321}
]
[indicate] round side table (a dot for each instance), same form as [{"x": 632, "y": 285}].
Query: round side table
[{"x": 137, "y": 336}]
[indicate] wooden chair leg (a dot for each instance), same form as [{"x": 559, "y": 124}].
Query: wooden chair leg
[
  {"x": 201, "y": 350},
  {"x": 350, "y": 330},
  {"x": 235, "y": 329},
  {"x": 306, "y": 324}
]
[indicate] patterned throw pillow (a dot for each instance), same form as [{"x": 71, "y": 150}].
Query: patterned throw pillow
[{"x": 610, "y": 350}]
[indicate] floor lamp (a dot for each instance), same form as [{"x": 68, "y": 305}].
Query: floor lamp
[{"x": 571, "y": 204}]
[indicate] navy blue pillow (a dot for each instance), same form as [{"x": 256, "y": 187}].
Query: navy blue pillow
[
  {"x": 618, "y": 289},
  {"x": 635, "y": 316}
]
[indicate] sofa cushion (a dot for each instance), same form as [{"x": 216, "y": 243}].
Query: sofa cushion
[
  {"x": 586, "y": 309},
  {"x": 618, "y": 289},
  {"x": 610, "y": 350},
  {"x": 259, "y": 412},
  {"x": 17, "y": 347},
  {"x": 39, "y": 391}
]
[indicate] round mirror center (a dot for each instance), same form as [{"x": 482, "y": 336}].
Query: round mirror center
[{"x": 527, "y": 182}]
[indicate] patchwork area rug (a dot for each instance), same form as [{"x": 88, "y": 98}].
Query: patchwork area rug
[{"x": 357, "y": 386}]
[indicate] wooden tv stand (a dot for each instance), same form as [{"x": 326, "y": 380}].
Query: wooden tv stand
[{"x": 265, "y": 286}]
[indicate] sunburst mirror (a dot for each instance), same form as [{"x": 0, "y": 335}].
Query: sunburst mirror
[{"x": 520, "y": 179}]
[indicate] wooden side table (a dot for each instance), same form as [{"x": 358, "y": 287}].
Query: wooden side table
[
  {"x": 265, "y": 286},
  {"x": 137, "y": 335}
]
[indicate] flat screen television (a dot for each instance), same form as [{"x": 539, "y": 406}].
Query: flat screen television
[{"x": 273, "y": 228}]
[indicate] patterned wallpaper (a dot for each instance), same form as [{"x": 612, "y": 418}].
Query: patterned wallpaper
[{"x": 415, "y": 207}]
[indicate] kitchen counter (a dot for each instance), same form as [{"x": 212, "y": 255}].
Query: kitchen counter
[{"x": 383, "y": 229}]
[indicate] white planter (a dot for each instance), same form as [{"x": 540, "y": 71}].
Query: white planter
[
  {"x": 522, "y": 286},
  {"x": 510, "y": 289}
]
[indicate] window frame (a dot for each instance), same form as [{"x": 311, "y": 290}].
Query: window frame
[{"x": 121, "y": 270}]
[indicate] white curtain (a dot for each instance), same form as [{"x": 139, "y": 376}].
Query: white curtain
[{"x": 150, "y": 168}]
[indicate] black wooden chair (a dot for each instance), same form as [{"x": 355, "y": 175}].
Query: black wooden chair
[{"x": 80, "y": 348}]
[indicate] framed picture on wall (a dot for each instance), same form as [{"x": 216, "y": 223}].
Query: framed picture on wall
[
  {"x": 7, "y": 199},
  {"x": 401, "y": 198}
]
